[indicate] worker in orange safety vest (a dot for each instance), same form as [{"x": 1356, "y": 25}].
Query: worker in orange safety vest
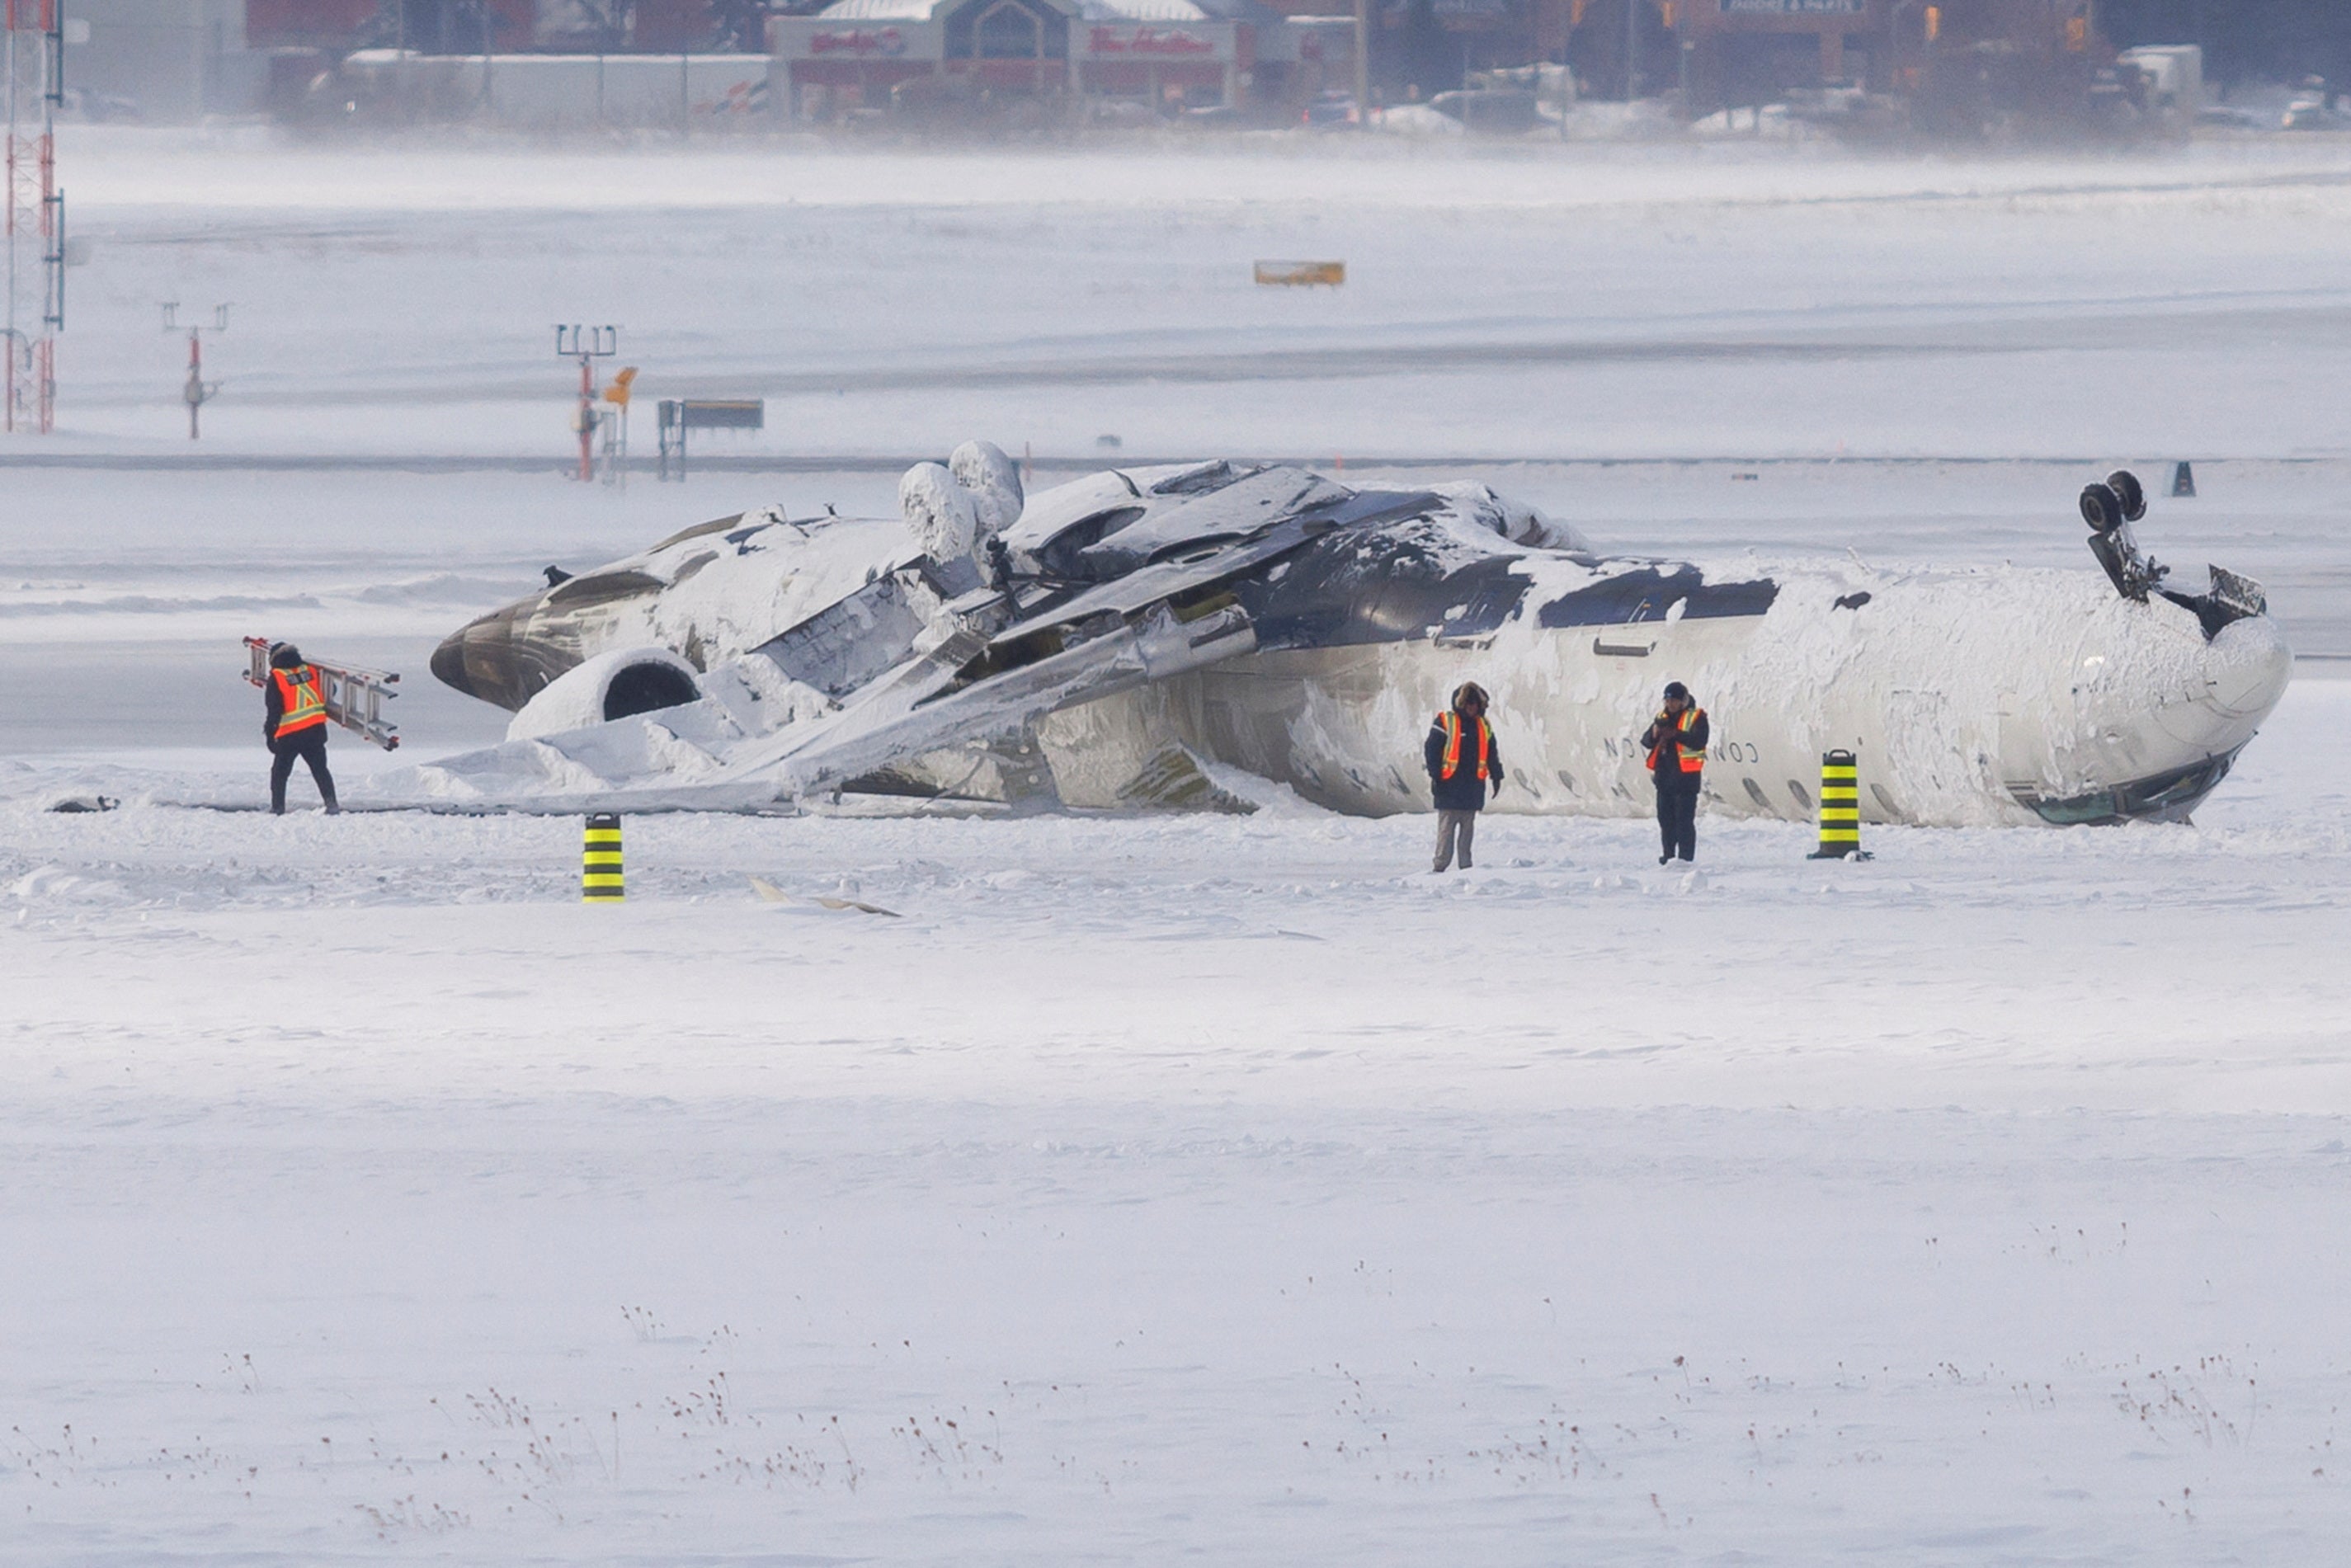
[
  {"x": 1462, "y": 759},
  {"x": 1677, "y": 742},
  {"x": 295, "y": 725}
]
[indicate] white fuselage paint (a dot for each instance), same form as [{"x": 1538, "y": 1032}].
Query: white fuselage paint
[{"x": 1956, "y": 690}]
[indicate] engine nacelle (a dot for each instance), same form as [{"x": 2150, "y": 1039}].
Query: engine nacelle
[{"x": 611, "y": 686}]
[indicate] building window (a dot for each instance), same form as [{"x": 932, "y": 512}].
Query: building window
[{"x": 1010, "y": 31}]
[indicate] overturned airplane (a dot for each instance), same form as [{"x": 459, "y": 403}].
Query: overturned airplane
[{"x": 1127, "y": 639}]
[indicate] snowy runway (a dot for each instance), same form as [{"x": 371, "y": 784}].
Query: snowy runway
[
  {"x": 1228, "y": 1186},
  {"x": 1159, "y": 1187}
]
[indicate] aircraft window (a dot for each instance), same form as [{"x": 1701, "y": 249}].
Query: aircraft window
[
  {"x": 1642, "y": 593},
  {"x": 1213, "y": 476},
  {"x": 2098, "y": 807},
  {"x": 696, "y": 532},
  {"x": 2165, "y": 795},
  {"x": 1885, "y": 799},
  {"x": 692, "y": 567},
  {"x": 1803, "y": 800},
  {"x": 1567, "y": 779},
  {"x": 1755, "y": 793},
  {"x": 1496, "y": 602},
  {"x": 603, "y": 586},
  {"x": 1061, "y": 557},
  {"x": 2191, "y": 785}
]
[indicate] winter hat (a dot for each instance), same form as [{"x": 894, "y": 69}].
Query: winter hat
[
  {"x": 285, "y": 656},
  {"x": 1676, "y": 689},
  {"x": 1466, "y": 690}
]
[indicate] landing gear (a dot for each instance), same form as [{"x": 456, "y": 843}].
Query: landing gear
[
  {"x": 2128, "y": 491},
  {"x": 2110, "y": 508},
  {"x": 2102, "y": 509}
]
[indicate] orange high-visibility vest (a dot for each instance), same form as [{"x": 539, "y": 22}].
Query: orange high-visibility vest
[
  {"x": 303, "y": 695},
  {"x": 1452, "y": 722},
  {"x": 1692, "y": 761}
]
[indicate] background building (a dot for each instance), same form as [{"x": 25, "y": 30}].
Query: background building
[
  {"x": 474, "y": 27},
  {"x": 913, "y": 57},
  {"x": 169, "y": 61},
  {"x": 1961, "y": 64},
  {"x": 2243, "y": 40}
]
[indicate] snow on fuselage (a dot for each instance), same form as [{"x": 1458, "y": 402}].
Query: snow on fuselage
[
  {"x": 1968, "y": 697},
  {"x": 707, "y": 593}
]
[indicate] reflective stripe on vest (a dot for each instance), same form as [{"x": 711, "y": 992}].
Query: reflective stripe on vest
[
  {"x": 1692, "y": 761},
  {"x": 1452, "y": 722},
  {"x": 300, "y": 693}
]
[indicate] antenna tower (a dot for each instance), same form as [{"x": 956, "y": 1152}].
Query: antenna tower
[{"x": 33, "y": 65}]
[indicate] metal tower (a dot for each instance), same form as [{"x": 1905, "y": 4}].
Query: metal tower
[{"x": 33, "y": 68}]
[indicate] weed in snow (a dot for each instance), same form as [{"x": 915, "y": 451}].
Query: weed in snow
[{"x": 406, "y": 1516}]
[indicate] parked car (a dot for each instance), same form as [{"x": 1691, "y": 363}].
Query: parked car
[
  {"x": 1495, "y": 111},
  {"x": 1331, "y": 108},
  {"x": 2314, "y": 111},
  {"x": 2225, "y": 116}
]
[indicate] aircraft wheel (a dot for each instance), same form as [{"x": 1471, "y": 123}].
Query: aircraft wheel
[
  {"x": 2101, "y": 508},
  {"x": 2127, "y": 490}
]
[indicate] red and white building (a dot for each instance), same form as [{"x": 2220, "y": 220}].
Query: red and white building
[
  {"x": 1165, "y": 53},
  {"x": 1160, "y": 51}
]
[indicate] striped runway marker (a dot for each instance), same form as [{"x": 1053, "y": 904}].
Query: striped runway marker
[
  {"x": 1840, "y": 808},
  {"x": 599, "y": 861}
]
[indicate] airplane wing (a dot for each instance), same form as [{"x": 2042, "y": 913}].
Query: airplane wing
[{"x": 1116, "y": 581}]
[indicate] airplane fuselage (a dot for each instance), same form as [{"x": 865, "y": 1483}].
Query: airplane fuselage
[
  {"x": 1273, "y": 622},
  {"x": 1968, "y": 697}
]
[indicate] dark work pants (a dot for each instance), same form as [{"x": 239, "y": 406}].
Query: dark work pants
[
  {"x": 310, "y": 746},
  {"x": 1678, "y": 816}
]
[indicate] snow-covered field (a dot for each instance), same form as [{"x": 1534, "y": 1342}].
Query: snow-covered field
[
  {"x": 1145, "y": 1187},
  {"x": 1155, "y": 1187},
  {"x": 1500, "y": 302}
]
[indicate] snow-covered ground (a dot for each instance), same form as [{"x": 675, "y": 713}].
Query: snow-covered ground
[
  {"x": 1500, "y": 301},
  {"x": 1154, "y": 1186},
  {"x": 1150, "y": 1186}
]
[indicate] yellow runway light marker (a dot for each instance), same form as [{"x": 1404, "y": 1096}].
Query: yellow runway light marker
[
  {"x": 1840, "y": 808},
  {"x": 599, "y": 861}
]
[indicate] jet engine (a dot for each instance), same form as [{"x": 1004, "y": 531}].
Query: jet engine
[{"x": 615, "y": 685}]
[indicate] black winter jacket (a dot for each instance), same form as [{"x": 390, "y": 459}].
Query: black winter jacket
[
  {"x": 1465, "y": 792},
  {"x": 1694, "y": 740}
]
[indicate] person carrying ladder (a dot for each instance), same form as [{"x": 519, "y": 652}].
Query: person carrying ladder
[{"x": 295, "y": 725}]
